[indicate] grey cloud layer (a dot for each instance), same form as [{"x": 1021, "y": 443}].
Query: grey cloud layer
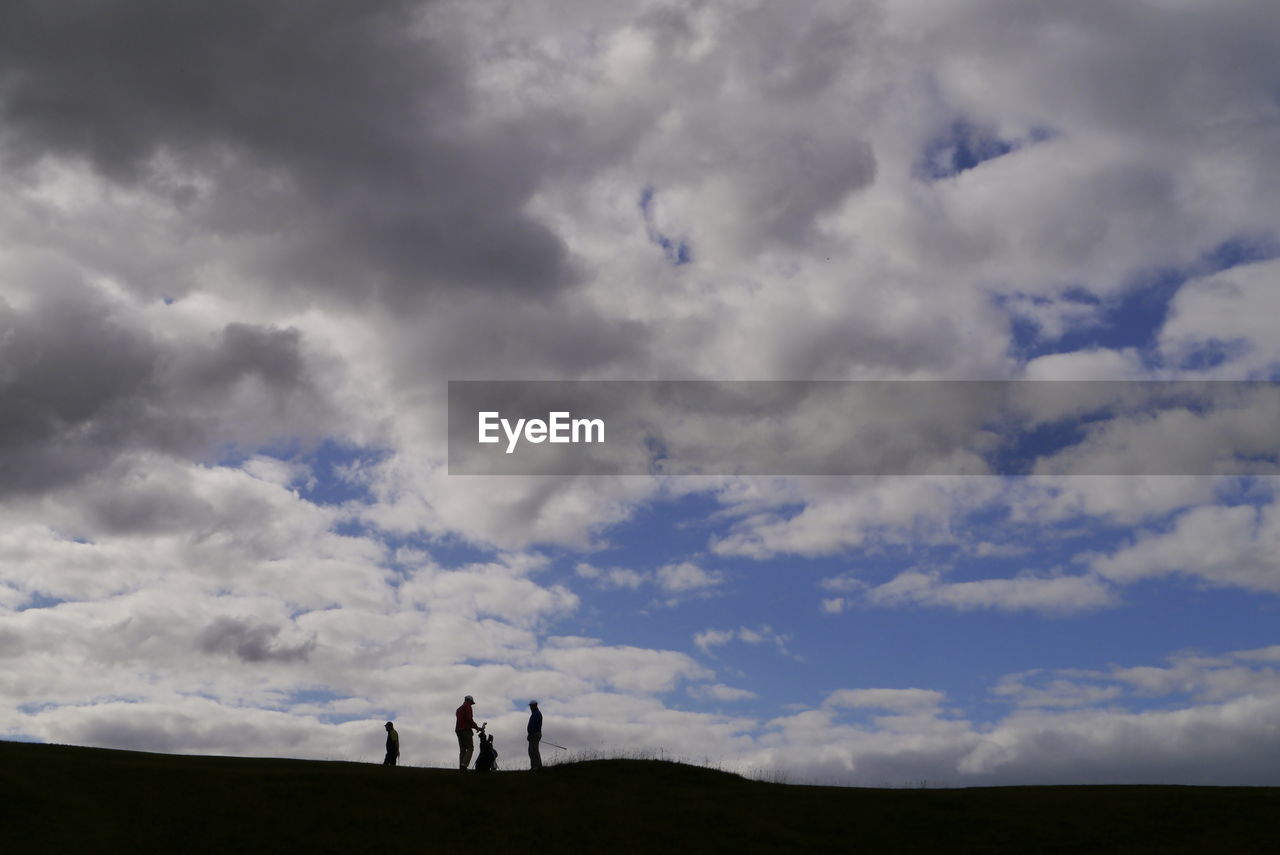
[
  {"x": 84, "y": 383},
  {"x": 351, "y": 115}
]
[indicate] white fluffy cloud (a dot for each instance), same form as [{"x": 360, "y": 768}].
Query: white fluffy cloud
[
  {"x": 1049, "y": 594},
  {"x": 891, "y": 699},
  {"x": 1227, "y": 546},
  {"x": 675, "y": 583},
  {"x": 708, "y": 639},
  {"x": 1225, "y": 314}
]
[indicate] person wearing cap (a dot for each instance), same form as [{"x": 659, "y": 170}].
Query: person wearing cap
[
  {"x": 393, "y": 745},
  {"x": 466, "y": 723},
  {"x": 535, "y": 735}
]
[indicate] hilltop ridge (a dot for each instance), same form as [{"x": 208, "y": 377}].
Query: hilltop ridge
[{"x": 68, "y": 799}]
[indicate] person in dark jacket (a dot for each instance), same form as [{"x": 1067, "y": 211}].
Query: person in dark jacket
[
  {"x": 463, "y": 727},
  {"x": 393, "y": 745},
  {"x": 535, "y": 735}
]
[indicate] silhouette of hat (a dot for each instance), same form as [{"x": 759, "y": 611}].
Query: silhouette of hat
[
  {"x": 388, "y": 724},
  {"x": 468, "y": 700},
  {"x": 533, "y": 703}
]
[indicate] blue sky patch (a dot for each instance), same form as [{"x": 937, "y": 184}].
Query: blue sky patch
[
  {"x": 1135, "y": 317},
  {"x": 38, "y": 600},
  {"x": 676, "y": 250},
  {"x": 962, "y": 147}
]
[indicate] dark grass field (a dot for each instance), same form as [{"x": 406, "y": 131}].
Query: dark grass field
[{"x": 56, "y": 798}]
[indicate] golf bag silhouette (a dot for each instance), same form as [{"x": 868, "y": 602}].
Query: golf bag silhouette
[{"x": 488, "y": 759}]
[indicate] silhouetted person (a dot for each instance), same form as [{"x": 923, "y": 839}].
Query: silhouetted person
[
  {"x": 465, "y": 724},
  {"x": 535, "y": 735},
  {"x": 393, "y": 745},
  {"x": 488, "y": 759}
]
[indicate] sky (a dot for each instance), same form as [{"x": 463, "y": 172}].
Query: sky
[{"x": 245, "y": 247}]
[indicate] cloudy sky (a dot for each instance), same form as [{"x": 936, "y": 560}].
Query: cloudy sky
[{"x": 245, "y": 246}]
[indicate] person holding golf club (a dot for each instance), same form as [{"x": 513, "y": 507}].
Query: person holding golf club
[
  {"x": 393, "y": 745},
  {"x": 465, "y": 724},
  {"x": 535, "y": 735}
]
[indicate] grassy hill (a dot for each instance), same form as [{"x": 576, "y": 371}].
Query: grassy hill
[{"x": 56, "y": 798}]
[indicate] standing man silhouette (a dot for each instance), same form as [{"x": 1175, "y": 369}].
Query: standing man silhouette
[
  {"x": 535, "y": 735},
  {"x": 393, "y": 745},
  {"x": 465, "y": 724}
]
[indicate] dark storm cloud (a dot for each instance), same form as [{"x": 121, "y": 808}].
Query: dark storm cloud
[
  {"x": 250, "y": 641},
  {"x": 338, "y": 130},
  {"x": 243, "y": 350},
  {"x": 81, "y": 384}
]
